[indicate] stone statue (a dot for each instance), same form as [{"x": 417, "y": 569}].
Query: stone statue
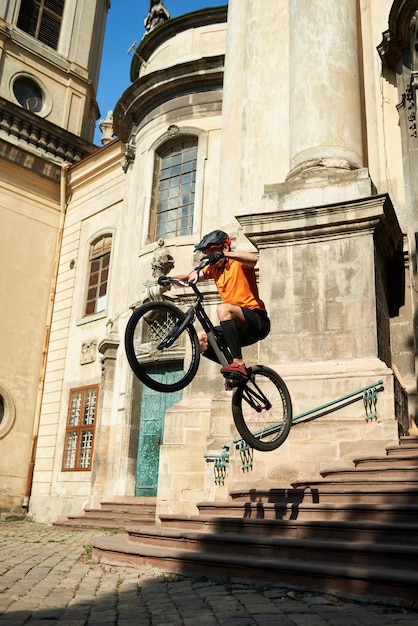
[
  {"x": 157, "y": 15},
  {"x": 162, "y": 262}
]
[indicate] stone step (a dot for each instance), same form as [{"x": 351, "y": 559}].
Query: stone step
[
  {"x": 380, "y": 487},
  {"x": 356, "y": 552},
  {"x": 377, "y": 531},
  {"x": 117, "y": 523},
  {"x": 382, "y": 464},
  {"x": 112, "y": 511},
  {"x": 113, "y": 514},
  {"x": 321, "y": 492},
  {"x": 353, "y": 531},
  {"x": 318, "y": 573},
  {"x": 408, "y": 441},
  {"x": 331, "y": 506},
  {"x": 407, "y": 475},
  {"x": 404, "y": 451}
]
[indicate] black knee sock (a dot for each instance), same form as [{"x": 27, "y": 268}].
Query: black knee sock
[{"x": 230, "y": 332}]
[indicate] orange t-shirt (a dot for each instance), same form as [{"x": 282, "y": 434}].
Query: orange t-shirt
[{"x": 236, "y": 284}]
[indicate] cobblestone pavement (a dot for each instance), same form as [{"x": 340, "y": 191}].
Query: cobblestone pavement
[{"x": 47, "y": 577}]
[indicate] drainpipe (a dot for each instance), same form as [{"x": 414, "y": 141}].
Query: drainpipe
[{"x": 63, "y": 209}]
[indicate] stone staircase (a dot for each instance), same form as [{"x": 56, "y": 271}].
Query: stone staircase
[
  {"x": 113, "y": 514},
  {"x": 354, "y": 531}
]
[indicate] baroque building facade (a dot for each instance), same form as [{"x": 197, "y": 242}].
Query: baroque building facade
[{"x": 290, "y": 125}]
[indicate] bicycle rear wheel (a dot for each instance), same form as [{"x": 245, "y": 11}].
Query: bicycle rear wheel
[
  {"x": 151, "y": 339},
  {"x": 262, "y": 409}
]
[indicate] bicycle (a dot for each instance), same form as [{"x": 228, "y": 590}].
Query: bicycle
[{"x": 159, "y": 332}]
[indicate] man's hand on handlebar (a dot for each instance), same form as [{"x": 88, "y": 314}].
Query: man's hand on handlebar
[
  {"x": 164, "y": 280},
  {"x": 186, "y": 279}
]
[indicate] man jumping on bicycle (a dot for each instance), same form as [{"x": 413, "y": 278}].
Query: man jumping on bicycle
[{"x": 242, "y": 315}]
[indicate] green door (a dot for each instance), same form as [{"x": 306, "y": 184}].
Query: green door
[{"x": 154, "y": 404}]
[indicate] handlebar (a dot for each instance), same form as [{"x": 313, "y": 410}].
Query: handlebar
[{"x": 169, "y": 280}]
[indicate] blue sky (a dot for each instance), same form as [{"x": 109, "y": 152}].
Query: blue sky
[{"x": 125, "y": 25}]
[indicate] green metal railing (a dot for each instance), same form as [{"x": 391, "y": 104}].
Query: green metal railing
[
  {"x": 367, "y": 394},
  {"x": 220, "y": 464}
]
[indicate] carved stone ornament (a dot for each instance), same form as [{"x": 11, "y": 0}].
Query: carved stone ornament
[
  {"x": 162, "y": 263},
  {"x": 106, "y": 128},
  {"x": 173, "y": 130},
  {"x": 128, "y": 156},
  {"x": 88, "y": 351}
]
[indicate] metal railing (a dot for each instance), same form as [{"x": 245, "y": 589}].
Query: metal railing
[{"x": 367, "y": 394}]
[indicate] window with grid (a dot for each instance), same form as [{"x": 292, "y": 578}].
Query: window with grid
[
  {"x": 174, "y": 190},
  {"x": 99, "y": 261},
  {"x": 79, "y": 434},
  {"x": 42, "y": 19}
]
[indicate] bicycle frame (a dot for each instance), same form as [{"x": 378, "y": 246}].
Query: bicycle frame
[{"x": 196, "y": 310}]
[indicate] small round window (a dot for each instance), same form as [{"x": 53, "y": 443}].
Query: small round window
[
  {"x": 7, "y": 412},
  {"x": 28, "y": 94}
]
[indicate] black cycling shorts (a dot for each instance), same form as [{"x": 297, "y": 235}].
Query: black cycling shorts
[{"x": 257, "y": 328}]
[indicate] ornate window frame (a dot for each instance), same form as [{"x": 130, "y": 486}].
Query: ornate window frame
[
  {"x": 46, "y": 98},
  {"x": 175, "y": 132}
]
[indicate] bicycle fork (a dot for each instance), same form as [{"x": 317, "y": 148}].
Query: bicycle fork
[{"x": 255, "y": 397}]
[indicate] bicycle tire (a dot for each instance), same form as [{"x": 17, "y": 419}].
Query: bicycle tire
[
  {"x": 263, "y": 429},
  {"x": 149, "y": 325}
]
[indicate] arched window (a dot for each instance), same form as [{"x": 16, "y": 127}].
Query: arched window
[
  {"x": 7, "y": 411},
  {"x": 42, "y": 19},
  {"x": 99, "y": 262},
  {"x": 174, "y": 189}
]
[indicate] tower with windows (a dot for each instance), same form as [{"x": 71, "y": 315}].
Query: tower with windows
[{"x": 50, "y": 53}]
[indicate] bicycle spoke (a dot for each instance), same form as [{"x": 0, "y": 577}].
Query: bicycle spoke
[
  {"x": 262, "y": 410},
  {"x": 155, "y": 344}
]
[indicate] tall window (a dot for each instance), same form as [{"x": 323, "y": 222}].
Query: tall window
[
  {"x": 99, "y": 261},
  {"x": 174, "y": 190},
  {"x": 42, "y": 19},
  {"x": 79, "y": 434}
]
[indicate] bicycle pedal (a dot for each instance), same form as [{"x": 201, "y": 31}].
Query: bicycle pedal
[{"x": 231, "y": 383}]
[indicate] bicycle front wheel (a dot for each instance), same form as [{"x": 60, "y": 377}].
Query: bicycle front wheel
[
  {"x": 262, "y": 409},
  {"x": 153, "y": 345}
]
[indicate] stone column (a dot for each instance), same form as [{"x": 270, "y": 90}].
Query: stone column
[
  {"x": 108, "y": 459},
  {"x": 326, "y": 124}
]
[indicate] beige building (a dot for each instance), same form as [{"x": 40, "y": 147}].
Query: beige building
[
  {"x": 297, "y": 135},
  {"x": 47, "y": 115}
]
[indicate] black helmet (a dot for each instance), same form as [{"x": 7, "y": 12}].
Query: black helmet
[{"x": 214, "y": 239}]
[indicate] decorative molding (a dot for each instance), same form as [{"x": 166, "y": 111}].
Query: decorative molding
[
  {"x": 397, "y": 38},
  {"x": 128, "y": 156},
  {"x": 171, "y": 28},
  {"x": 35, "y": 134},
  {"x": 156, "y": 89},
  {"x": 88, "y": 351},
  {"x": 408, "y": 102}
]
